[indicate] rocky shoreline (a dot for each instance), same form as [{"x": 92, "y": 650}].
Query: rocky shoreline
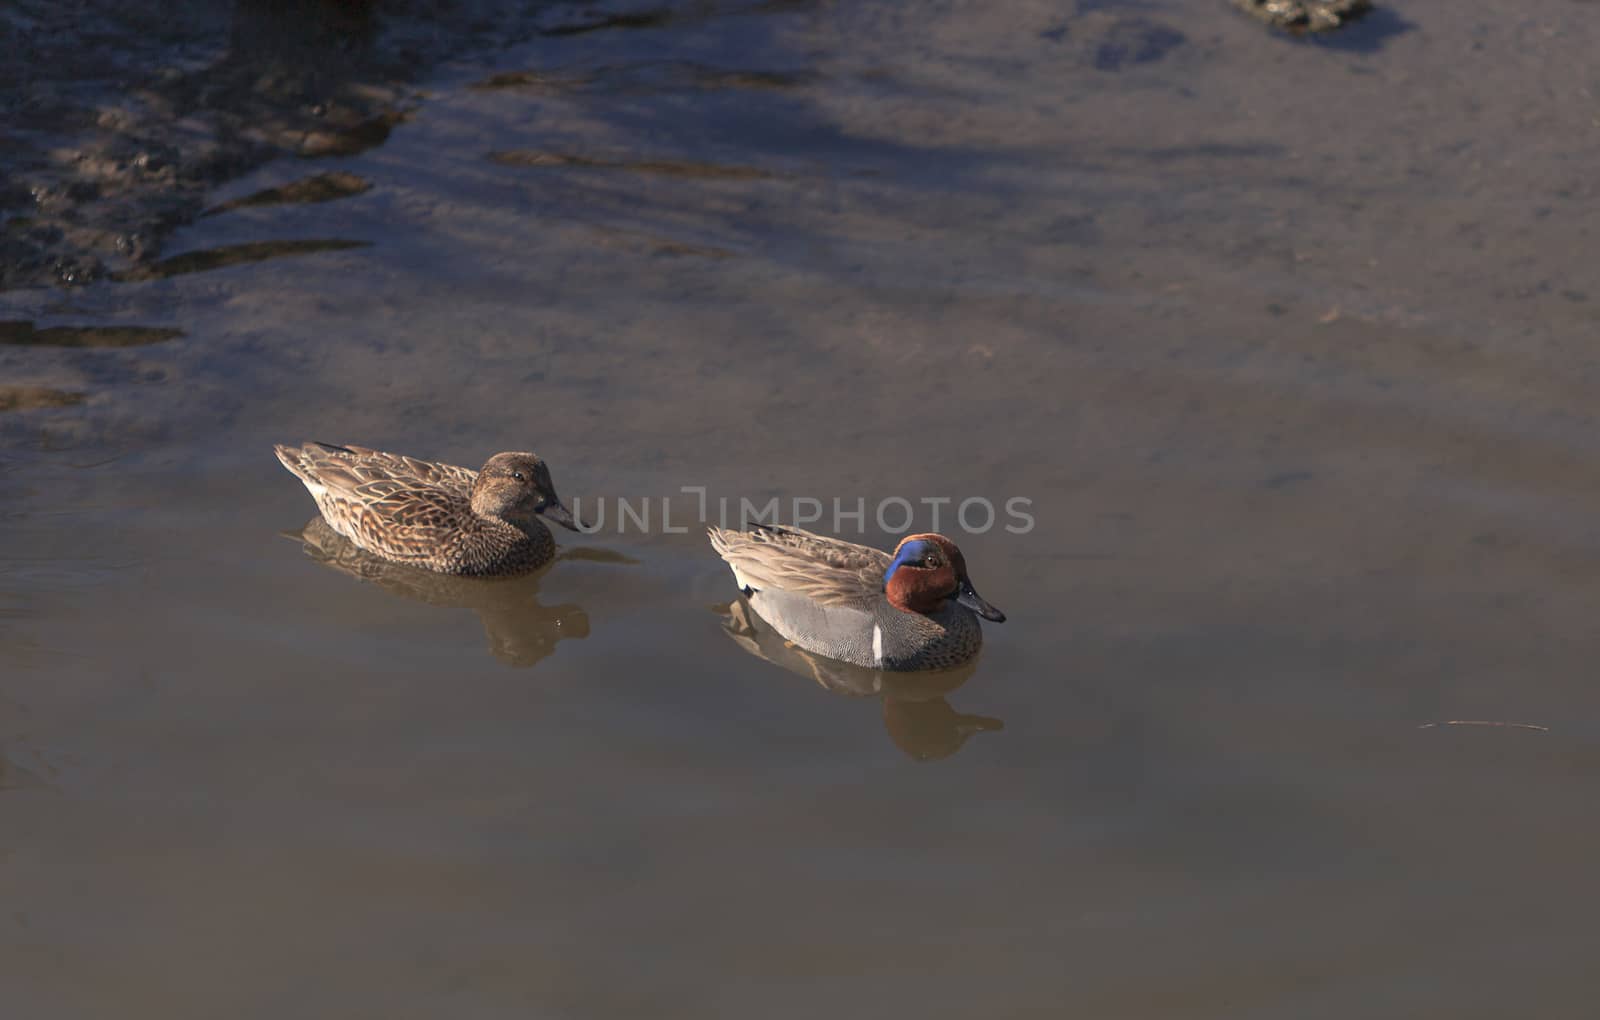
[{"x": 120, "y": 117}]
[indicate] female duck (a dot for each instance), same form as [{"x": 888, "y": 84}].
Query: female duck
[
  {"x": 435, "y": 516},
  {"x": 914, "y": 610}
]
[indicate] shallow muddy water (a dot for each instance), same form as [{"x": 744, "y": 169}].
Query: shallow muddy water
[{"x": 1293, "y": 348}]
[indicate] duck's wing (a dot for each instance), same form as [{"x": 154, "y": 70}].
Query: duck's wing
[
  {"x": 828, "y": 571},
  {"x": 399, "y": 520},
  {"x": 398, "y": 507},
  {"x": 346, "y": 468}
]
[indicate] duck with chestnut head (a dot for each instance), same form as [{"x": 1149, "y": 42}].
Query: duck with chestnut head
[
  {"x": 438, "y": 517},
  {"x": 913, "y": 610}
]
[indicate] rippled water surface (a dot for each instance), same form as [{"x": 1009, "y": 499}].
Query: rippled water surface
[{"x": 1294, "y": 347}]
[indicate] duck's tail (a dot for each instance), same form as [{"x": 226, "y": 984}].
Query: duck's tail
[
  {"x": 302, "y": 462},
  {"x": 726, "y": 542}
]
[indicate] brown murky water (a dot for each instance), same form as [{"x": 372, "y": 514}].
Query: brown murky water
[{"x": 1295, "y": 349}]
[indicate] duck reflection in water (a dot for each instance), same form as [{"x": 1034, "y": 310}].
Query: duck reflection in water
[
  {"x": 915, "y": 713},
  {"x": 519, "y": 629}
]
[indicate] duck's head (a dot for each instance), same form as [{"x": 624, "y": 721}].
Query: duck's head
[
  {"x": 515, "y": 486},
  {"x": 927, "y": 572}
]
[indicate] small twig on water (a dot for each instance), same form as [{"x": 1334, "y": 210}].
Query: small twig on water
[{"x": 1486, "y": 722}]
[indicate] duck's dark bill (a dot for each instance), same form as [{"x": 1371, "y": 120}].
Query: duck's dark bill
[
  {"x": 561, "y": 515},
  {"x": 973, "y": 601}
]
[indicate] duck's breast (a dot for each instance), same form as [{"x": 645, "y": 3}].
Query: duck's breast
[{"x": 939, "y": 640}]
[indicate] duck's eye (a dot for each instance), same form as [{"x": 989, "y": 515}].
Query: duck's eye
[
  {"x": 519, "y": 476},
  {"x": 930, "y": 560}
]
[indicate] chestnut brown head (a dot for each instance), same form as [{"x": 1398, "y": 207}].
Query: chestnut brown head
[
  {"x": 927, "y": 573},
  {"x": 514, "y": 487}
]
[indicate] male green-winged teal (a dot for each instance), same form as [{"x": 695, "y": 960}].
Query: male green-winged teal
[
  {"x": 911, "y": 611},
  {"x": 436, "y": 516}
]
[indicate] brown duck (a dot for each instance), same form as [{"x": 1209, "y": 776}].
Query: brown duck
[{"x": 435, "y": 516}]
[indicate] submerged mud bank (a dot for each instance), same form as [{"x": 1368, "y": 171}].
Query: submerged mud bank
[{"x": 120, "y": 116}]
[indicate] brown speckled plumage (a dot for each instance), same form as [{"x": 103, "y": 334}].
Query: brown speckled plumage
[{"x": 435, "y": 516}]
